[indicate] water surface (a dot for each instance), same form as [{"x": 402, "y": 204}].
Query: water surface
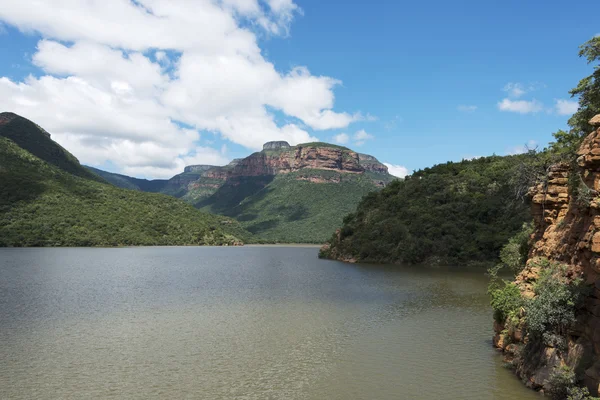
[{"x": 241, "y": 323}]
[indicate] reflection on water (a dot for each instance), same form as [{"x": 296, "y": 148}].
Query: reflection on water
[{"x": 241, "y": 323}]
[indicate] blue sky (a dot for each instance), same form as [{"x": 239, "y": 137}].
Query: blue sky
[{"x": 423, "y": 81}]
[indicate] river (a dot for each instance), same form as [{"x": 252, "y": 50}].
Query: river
[{"x": 242, "y": 323}]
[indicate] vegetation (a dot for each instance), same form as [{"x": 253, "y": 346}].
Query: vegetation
[
  {"x": 37, "y": 141},
  {"x": 557, "y": 296},
  {"x": 453, "y": 213},
  {"x": 506, "y": 301},
  {"x": 513, "y": 255},
  {"x": 288, "y": 208},
  {"x": 588, "y": 92},
  {"x": 44, "y": 205}
]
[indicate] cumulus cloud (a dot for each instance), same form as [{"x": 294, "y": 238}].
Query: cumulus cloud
[
  {"x": 520, "y": 106},
  {"x": 466, "y": 108},
  {"x": 516, "y": 90},
  {"x": 341, "y": 138},
  {"x": 361, "y": 137},
  {"x": 135, "y": 82},
  {"x": 566, "y": 107},
  {"x": 399, "y": 171}
]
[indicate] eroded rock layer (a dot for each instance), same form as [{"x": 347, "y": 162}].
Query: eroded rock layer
[{"x": 567, "y": 230}]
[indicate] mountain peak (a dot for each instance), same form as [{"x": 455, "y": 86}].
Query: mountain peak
[
  {"x": 276, "y": 145},
  {"x": 198, "y": 168}
]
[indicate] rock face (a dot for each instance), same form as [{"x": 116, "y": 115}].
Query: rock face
[
  {"x": 276, "y": 145},
  {"x": 569, "y": 232},
  {"x": 198, "y": 168}
]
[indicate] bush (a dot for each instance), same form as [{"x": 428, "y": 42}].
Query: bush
[
  {"x": 561, "y": 380},
  {"x": 578, "y": 393},
  {"x": 552, "y": 310},
  {"x": 506, "y": 301},
  {"x": 513, "y": 255}
]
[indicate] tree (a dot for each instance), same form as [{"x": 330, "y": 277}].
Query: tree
[{"x": 588, "y": 92}]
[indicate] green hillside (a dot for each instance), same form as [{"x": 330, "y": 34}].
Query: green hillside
[
  {"x": 452, "y": 213},
  {"x": 286, "y": 209},
  {"x": 44, "y": 205},
  {"x": 282, "y": 194},
  {"x": 37, "y": 141}
]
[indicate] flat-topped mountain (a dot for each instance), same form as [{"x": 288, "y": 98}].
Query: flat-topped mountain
[{"x": 281, "y": 194}]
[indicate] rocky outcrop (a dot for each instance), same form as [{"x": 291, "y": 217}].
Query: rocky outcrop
[
  {"x": 370, "y": 163},
  {"x": 567, "y": 230},
  {"x": 198, "y": 168},
  {"x": 276, "y": 145},
  {"x": 320, "y": 157}
]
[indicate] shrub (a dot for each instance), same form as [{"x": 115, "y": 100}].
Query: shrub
[
  {"x": 578, "y": 393},
  {"x": 561, "y": 380},
  {"x": 552, "y": 310},
  {"x": 506, "y": 301},
  {"x": 513, "y": 255}
]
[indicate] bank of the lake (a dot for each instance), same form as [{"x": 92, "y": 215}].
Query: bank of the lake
[{"x": 248, "y": 322}]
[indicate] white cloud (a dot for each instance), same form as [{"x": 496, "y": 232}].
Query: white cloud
[
  {"x": 514, "y": 89},
  {"x": 466, "y": 108},
  {"x": 566, "y": 107},
  {"x": 341, "y": 138},
  {"x": 530, "y": 145},
  {"x": 520, "y": 106},
  {"x": 399, "y": 171},
  {"x": 361, "y": 137},
  {"x": 120, "y": 75}
]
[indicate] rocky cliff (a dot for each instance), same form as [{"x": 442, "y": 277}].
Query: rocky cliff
[
  {"x": 567, "y": 231},
  {"x": 278, "y": 158}
]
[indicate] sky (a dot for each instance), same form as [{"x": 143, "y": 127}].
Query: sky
[{"x": 146, "y": 87}]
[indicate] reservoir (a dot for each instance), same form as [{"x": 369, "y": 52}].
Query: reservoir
[{"x": 242, "y": 323}]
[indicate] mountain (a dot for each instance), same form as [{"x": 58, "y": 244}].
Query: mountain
[
  {"x": 37, "y": 141},
  {"x": 453, "y": 213},
  {"x": 48, "y": 199},
  {"x": 292, "y": 194}
]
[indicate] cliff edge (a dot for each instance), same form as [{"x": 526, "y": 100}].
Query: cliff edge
[{"x": 566, "y": 211}]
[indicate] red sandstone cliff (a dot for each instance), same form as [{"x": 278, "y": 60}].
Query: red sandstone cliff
[{"x": 566, "y": 231}]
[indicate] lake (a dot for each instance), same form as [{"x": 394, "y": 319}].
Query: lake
[{"x": 242, "y": 323}]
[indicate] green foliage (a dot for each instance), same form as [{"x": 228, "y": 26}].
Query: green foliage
[
  {"x": 588, "y": 92},
  {"x": 552, "y": 310},
  {"x": 37, "y": 141},
  {"x": 579, "y": 393},
  {"x": 288, "y": 208},
  {"x": 43, "y": 205},
  {"x": 513, "y": 255},
  {"x": 449, "y": 214},
  {"x": 506, "y": 301},
  {"x": 561, "y": 381}
]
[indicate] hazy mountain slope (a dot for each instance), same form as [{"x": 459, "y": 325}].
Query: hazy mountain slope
[{"x": 127, "y": 182}]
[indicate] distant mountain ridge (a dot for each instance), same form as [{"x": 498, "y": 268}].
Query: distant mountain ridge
[{"x": 283, "y": 193}]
